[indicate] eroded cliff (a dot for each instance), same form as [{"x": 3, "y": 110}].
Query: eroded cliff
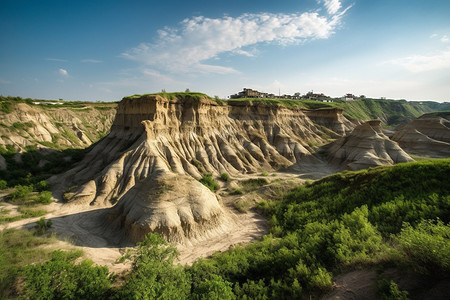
[
  {"x": 148, "y": 165},
  {"x": 54, "y": 126},
  {"x": 428, "y": 135},
  {"x": 366, "y": 146}
]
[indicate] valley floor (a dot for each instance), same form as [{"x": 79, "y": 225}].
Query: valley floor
[{"x": 79, "y": 227}]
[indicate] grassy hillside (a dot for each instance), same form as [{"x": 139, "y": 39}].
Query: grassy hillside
[
  {"x": 382, "y": 217},
  {"x": 391, "y": 112},
  {"x": 345, "y": 221}
]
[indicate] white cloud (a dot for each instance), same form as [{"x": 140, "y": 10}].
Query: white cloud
[
  {"x": 198, "y": 39},
  {"x": 157, "y": 75},
  {"x": 444, "y": 38},
  {"x": 63, "y": 72},
  {"x": 423, "y": 63},
  {"x": 332, "y": 6},
  {"x": 95, "y": 61},
  {"x": 3, "y": 81}
]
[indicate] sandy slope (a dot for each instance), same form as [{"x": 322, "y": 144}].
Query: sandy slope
[{"x": 81, "y": 227}]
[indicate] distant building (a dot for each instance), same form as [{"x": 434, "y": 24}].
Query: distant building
[
  {"x": 349, "y": 97},
  {"x": 249, "y": 93},
  {"x": 318, "y": 97}
]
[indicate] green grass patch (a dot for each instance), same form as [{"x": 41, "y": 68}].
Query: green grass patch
[
  {"x": 237, "y": 191},
  {"x": 18, "y": 248},
  {"x": 21, "y": 126},
  {"x": 225, "y": 177},
  {"x": 6, "y": 107},
  {"x": 25, "y": 213},
  {"x": 242, "y": 205},
  {"x": 176, "y": 96},
  {"x": 208, "y": 181},
  {"x": 288, "y": 103},
  {"x": 253, "y": 184}
]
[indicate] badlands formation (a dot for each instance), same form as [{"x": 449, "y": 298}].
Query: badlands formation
[
  {"x": 55, "y": 125},
  {"x": 144, "y": 174},
  {"x": 366, "y": 146},
  {"x": 428, "y": 135}
]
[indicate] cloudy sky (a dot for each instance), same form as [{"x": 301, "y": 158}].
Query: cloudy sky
[{"x": 105, "y": 50}]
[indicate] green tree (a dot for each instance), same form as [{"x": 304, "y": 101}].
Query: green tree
[
  {"x": 215, "y": 288},
  {"x": 44, "y": 197},
  {"x": 153, "y": 274},
  {"x": 60, "y": 278}
]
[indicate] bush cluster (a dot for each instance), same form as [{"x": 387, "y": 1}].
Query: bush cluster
[{"x": 316, "y": 231}]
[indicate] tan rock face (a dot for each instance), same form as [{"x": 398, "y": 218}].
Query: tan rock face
[
  {"x": 67, "y": 127},
  {"x": 366, "y": 146},
  {"x": 428, "y": 135},
  {"x": 331, "y": 118},
  {"x": 148, "y": 165}
]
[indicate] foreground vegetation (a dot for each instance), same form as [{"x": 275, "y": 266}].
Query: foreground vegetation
[
  {"x": 37, "y": 165},
  {"x": 387, "y": 216}
]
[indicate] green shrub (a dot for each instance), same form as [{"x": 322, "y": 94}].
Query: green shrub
[
  {"x": 208, "y": 181},
  {"x": 154, "y": 275},
  {"x": 215, "y": 288},
  {"x": 19, "y": 125},
  {"x": 42, "y": 185},
  {"x": 225, "y": 177},
  {"x": 44, "y": 197},
  {"x": 426, "y": 248},
  {"x": 253, "y": 183},
  {"x": 388, "y": 290},
  {"x": 21, "y": 192},
  {"x": 42, "y": 225},
  {"x": 6, "y": 107},
  {"x": 3, "y": 184},
  {"x": 61, "y": 278}
]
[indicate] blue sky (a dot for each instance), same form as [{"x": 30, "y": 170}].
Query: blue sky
[{"x": 105, "y": 50}]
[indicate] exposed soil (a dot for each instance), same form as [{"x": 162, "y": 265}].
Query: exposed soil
[{"x": 82, "y": 227}]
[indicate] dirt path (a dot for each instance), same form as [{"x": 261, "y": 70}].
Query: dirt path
[{"x": 77, "y": 227}]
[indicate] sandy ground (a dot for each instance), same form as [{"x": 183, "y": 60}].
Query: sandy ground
[{"x": 80, "y": 227}]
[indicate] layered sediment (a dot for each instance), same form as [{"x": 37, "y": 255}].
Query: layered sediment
[
  {"x": 366, "y": 146},
  {"x": 428, "y": 135},
  {"x": 146, "y": 168}
]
